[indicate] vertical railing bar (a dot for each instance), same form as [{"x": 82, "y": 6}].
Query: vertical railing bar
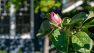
[
  {"x": 32, "y": 22},
  {"x": 4, "y": 13},
  {"x": 12, "y": 22},
  {"x": 0, "y": 7},
  {"x": 32, "y": 18},
  {"x": 5, "y": 8}
]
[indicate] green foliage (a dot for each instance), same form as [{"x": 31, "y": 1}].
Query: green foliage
[
  {"x": 66, "y": 21},
  {"x": 20, "y": 51},
  {"x": 89, "y": 23},
  {"x": 3, "y": 51},
  {"x": 78, "y": 18},
  {"x": 82, "y": 42},
  {"x": 60, "y": 40},
  {"x": 17, "y": 3},
  {"x": 45, "y": 5},
  {"x": 44, "y": 28},
  {"x": 74, "y": 32}
]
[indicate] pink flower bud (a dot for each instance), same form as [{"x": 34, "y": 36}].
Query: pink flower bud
[{"x": 55, "y": 18}]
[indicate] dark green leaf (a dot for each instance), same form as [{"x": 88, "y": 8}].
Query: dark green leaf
[
  {"x": 60, "y": 40},
  {"x": 66, "y": 21},
  {"x": 44, "y": 28},
  {"x": 89, "y": 23},
  {"x": 78, "y": 18},
  {"x": 82, "y": 42}
]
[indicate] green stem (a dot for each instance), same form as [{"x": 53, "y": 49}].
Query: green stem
[{"x": 70, "y": 47}]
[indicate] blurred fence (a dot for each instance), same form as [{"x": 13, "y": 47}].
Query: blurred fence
[
  {"x": 18, "y": 23},
  {"x": 17, "y": 29}
]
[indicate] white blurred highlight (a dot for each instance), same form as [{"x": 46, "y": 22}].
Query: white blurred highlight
[{"x": 72, "y": 6}]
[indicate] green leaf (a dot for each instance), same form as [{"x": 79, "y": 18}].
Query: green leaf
[
  {"x": 60, "y": 40},
  {"x": 78, "y": 18},
  {"x": 36, "y": 9},
  {"x": 89, "y": 23},
  {"x": 66, "y": 21},
  {"x": 44, "y": 28},
  {"x": 44, "y": 9},
  {"x": 57, "y": 4},
  {"x": 82, "y": 42}
]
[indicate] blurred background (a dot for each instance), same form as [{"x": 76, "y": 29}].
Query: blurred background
[{"x": 20, "y": 21}]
